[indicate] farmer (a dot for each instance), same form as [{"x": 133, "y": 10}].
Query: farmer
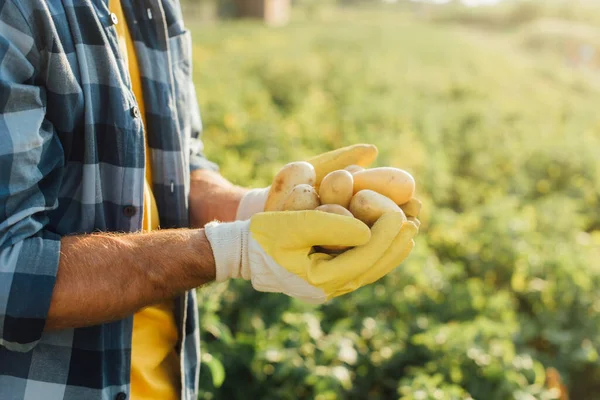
[{"x": 99, "y": 146}]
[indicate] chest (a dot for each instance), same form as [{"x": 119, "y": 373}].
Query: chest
[{"x": 94, "y": 113}]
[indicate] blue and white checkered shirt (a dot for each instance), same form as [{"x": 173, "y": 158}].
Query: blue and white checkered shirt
[{"x": 72, "y": 161}]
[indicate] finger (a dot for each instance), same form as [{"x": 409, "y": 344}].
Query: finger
[
  {"x": 355, "y": 284},
  {"x": 347, "y": 289},
  {"x": 415, "y": 221},
  {"x": 358, "y": 154},
  {"x": 412, "y": 207},
  {"x": 355, "y": 262},
  {"x": 303, "y": 229},
  {"x": 393, "y": 256}
]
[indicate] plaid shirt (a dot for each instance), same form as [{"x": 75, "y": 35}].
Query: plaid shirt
[{"x": 72, "y": 161}]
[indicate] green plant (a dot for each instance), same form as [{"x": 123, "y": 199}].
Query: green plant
[{"x": 504, "y": 281}]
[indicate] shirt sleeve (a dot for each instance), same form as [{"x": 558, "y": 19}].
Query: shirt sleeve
[
  {"x": 31, "y": 158},
  {"x": 197, "y": 158}
]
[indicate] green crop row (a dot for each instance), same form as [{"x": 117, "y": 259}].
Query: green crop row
[{"x": 504, "y": 282}]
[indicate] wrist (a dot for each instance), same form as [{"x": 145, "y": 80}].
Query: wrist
[
  {"x": 229, "y": 244},
  {"x": 212, "y": 197},
  {"x": 203, "y": 256}
]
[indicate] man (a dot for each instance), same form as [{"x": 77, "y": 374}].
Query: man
[{"x": 98, "y": 135}]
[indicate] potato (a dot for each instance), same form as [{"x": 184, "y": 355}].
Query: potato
[
  {"x": 354, "y": 168},
  {"x": 368, "y": 205},
  {"x": 359, "y": 154},
  {"x": 337, "y": 188},
  {"x": 287, "y": 178},
  {"x": 302, "y": 197},
  {"x": 411, "y": 208},
  {"x": 334, "y": 209},
  {"x": 393, "y": 183}
]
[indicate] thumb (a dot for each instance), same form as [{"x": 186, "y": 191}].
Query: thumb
[{"x": 304, "y": 229}]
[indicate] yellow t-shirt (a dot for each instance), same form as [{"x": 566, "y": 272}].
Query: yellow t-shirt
[{"x": 155, "y": 372}]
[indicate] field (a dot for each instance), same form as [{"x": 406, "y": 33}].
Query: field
[{"x": 496, "y": 115}]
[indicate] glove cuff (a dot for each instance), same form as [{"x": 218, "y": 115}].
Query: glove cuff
[
  {"x": 229, "y": 243},
  {"x": 235, "y": 251},
  {"x": 253, "y": 202}
]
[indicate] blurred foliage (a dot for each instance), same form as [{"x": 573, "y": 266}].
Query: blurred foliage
[{"x": 504, "y": 280}]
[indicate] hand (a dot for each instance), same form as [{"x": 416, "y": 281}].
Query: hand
[
  {"x": 212, "y": 197},
  {"x": 275, "y": 252},
  {"x": 359, "y": 154}
]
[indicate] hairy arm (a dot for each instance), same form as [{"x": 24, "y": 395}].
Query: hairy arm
[
  {"x": 212, "y": 197},
  {"x": 105, "y": 277}
]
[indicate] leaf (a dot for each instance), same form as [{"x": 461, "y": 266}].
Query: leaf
[{"x": 217, "y": 370}]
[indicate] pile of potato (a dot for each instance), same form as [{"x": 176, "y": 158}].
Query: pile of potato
[{"x": 365, "y": 194}]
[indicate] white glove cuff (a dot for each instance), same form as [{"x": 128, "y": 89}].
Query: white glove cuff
[
  {"x": 235, "y": 250},
  {"x": 229, "y": 243},
  {"x": 253, "y": 202}
]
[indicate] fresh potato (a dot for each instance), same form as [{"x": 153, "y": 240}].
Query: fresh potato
[
  {"x": 394, "y": 183},
  {"x": 337, "y": 188},
  {"x": 360, "y": 154},
  {"x": 287, "y": 178},
  {"x": 302, "y": 197},
  {"x": 411, "y": 208},
  {"x": 368, "y": 205},
  {"x": 354, "y": 168},
  {"x": 334, "y": 209}
]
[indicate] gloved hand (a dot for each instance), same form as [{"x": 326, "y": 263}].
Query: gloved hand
[
  {"x": 275, "y": 252},
  {"x": 359, "y": 154}
]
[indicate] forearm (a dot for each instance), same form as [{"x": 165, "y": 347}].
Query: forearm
[
  {"x": 106, "y": 277},
  {"x": 212, "y": 197}
]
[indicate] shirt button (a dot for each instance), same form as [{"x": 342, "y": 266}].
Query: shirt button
[
  {"x": 121, "y": 396},
  {"x": 114, "y": 18},
  {"x": 135, "y": 111},
  {"x": 129, "y": 211}
]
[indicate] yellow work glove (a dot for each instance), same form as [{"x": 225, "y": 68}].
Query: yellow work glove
[
  {"x": 359, "y": 154},
  {"x": 275, "y": 251}
]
